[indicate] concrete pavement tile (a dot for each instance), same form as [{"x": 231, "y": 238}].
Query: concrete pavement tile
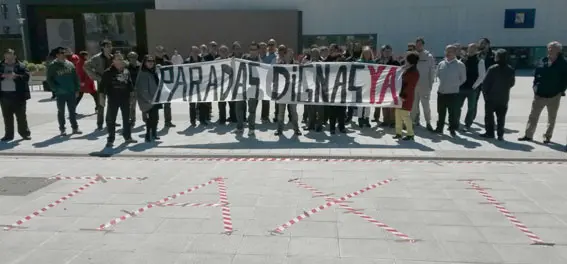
[
  {"x": 152, "y": 257},
  {"x": 364, "y": 248},
  {"x": 24, "y": 239},
  {"x": 488, "y": 219},
  {"x": 420, "y": 250},
  {"x": 366, "y": 261},
  {"x": 554, "y": 206},
  {"x": 504, "y": 235},
  {"x": 49, "y": 256},
  {"x": 523, "y": 207},
  {"x": 451, "y": 218},
  {"x": 395, "y": 204},
  {"x": 120, "y": 242},
  {"x": 471, "y": 252},
  {"x": 540, "y": 220},
  {"x": 183, "y": 226},
  {"x": 107, "y": 256},
  {"x": 264, "y": 245},
  {"x": 309, "y": 246},
  {"x": 172, "y": 243},
  {"x": 360, "y": 229},
  {"x": 551, "y": 235},
  {"x": 258, "y": 259},
  {"x": 457, "y": 233},
  {"x": 203, "y": 259},
  {"x": 474, "y": 206},
  {"x": 139, "y": 225},
  {"x": 77, "y": 241},
  {"x": 323, "y": 259},
  {"x": 13, "y": 255},
  {"x": 215, "y": 244},
  {"x": 434, "y": 205},
  {"x": 315, "y": 230},
  {"x": 52, "y": 224},
  {"x": 529, "y": 254},
  {"x": 428, "y": 194},
  {"x": 398, "y": 216}
]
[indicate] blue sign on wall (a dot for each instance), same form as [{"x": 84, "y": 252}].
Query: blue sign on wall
[{"x": 519, "y": 18}]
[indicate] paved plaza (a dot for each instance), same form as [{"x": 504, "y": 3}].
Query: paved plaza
[
  {"x": 205, "y": 195},
  {"x": 184, "y": 141},
  {"x": 228, "y": 212}
]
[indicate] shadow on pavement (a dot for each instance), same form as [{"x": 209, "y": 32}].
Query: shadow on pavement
[
  {"x": 51, "y": 141},
  {"x": 552, "y": 145},
  {"x": 95, "y": 135},
  {"x": 192, "y": 130},
  {"x": 45, "y": 100},
  {"x": 10, "y": 145},
  {"x": 508, "y": 145},
  {"x": 506, "y": 130}
]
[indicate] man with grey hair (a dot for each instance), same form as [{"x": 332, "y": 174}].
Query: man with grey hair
[
  {"x": 426, "y": 68},
  {"x": 550, "y": 82},
  {"x": 452, "y": 74}
]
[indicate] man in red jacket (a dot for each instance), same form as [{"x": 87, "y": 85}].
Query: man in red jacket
[
  {"x": 87, "y": 84},
  {"x": 409, "y": 81}
]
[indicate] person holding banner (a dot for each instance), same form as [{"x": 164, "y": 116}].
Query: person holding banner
[
  {"x": 145, "y": 88},
  {"x": 161, "y": 58},
  {"x": 269, "y": 57},
  {"x": 196, "y": 107},
  {"x": 388, "y": 117},
  {"x": 315, "y": 113},
  {"x": 363, "y": 113},
  {"x": 253, "y": 55},
  {"x": 116, "y": 84},
  {"x": 223, "y": 54},
  {"x": 336, "y": 113},
  {"x": 410, "y": 78},
  {"x": 284, "y": 58}
]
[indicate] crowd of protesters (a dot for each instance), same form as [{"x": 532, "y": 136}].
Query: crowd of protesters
[{"x": 125, "y": 83}]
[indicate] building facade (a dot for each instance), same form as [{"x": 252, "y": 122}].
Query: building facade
[
  {"x": 10, "y": 12},
  {"x": 522, "y": 26},
  {"x": 81, "y": 25}
]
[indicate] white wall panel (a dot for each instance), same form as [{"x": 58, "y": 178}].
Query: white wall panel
[{"x": 398, "y": 22}]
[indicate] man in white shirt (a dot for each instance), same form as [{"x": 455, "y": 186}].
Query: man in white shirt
[
  {"x": 469, "y": 91},
  {"x": 176, "y": 58}
]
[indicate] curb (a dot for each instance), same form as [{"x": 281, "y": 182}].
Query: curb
[{"x": 269, "y": 157}]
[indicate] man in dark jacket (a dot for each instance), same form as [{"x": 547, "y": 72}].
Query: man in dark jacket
[
  {"x": 14, "y": 92},
  {"x": 194, "y": 108},
  {"x": 336, "y": 113},
  {"x": 116, "y": 84},
  {"x": 499, "y": 79},
  {"x": 162, "y": 59},
  {"x": 550, "y": 82},
  {"x": 386, "y": 58},
  {"x": 94, "y": 68},
  {"x": 471, "y": 88},
  {"x": 133, "y": 67}
]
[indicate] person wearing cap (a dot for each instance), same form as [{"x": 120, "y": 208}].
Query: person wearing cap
[
  {"x": 14, "y": 92},
  {"x": 134, "y": 68},
  {"x": 283, "y": 58},
  {"x": 116, "y": 83},
  {"x": 64, "y": 81},
  {"x": 162, "y": 59},
  {"x": 94, "y": 67}
]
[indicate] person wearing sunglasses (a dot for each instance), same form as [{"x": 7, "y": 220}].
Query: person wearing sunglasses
[
  {"x": 116, "y": 84},
  {"x": 145, "y": 89},
  {"x": 64, "y": 81}
]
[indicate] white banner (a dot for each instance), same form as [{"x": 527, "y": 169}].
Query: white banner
[{"x": 326, "y": 83}]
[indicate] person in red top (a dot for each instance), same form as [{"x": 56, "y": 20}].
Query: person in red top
[
  {"x": 87, "y": 84},
  {"x": 409, "y": 81}
]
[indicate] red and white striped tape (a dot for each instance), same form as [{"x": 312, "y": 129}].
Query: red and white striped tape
[
  {"x": 491, "y": 200},
  {"x": 53, "y": 204},
  {"x": 190, "y": 204},
  {"x": 225, "y": 209},
  {"x": 98, "y": 176},
  {"x": 116, "y": 221},
  {"x": 322, "y": 207},
  {"x": 368, "y": 218}
]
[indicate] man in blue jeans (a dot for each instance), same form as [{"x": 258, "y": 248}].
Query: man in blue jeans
[{"x": 65, "y": 84}]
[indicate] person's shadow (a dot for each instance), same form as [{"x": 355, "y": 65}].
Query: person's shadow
[
  {"x": 95, "y": 135},
  {"x": 192, "y": 130},
  {"x": 10, "y": 145},
  {"x": 143, "y": 146},
  {"x": 51, "y": 141},
  {"x": 109, "y": 151},
  {"x": 45, "y": 100}
]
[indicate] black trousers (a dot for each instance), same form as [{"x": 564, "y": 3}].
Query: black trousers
[
  {"x": 276, "y": 111},
  {"x": 265, "y": 112},
  {"x": 152, "y": 119},
  {"x": 500, "y": 111},
  {"x": 448, "y": 103},
  {"x": 12, "y": 106},
  {"x": 121, "y": 103},
  {"x": 167, "y": 112},
  {"x": 232, "y": 111},
  {"x": 336, "y": 115},
  {"x": 222, "y": 112},
  {"x": 202, "y": 109}
]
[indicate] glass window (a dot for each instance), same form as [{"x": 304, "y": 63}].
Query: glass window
[{"x": 120, "y": 28}]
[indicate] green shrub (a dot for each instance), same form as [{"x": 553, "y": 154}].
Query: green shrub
[
  {"x": 40, "y": 67},
  {"x": 32, "y": 67}
]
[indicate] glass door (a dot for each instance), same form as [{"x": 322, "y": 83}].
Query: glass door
[{"x": 120, "y": 28}]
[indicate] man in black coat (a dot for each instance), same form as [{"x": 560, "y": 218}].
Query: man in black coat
[
  {"x": 498, "y": 81},
  {"x": 14, "y": 92}
]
